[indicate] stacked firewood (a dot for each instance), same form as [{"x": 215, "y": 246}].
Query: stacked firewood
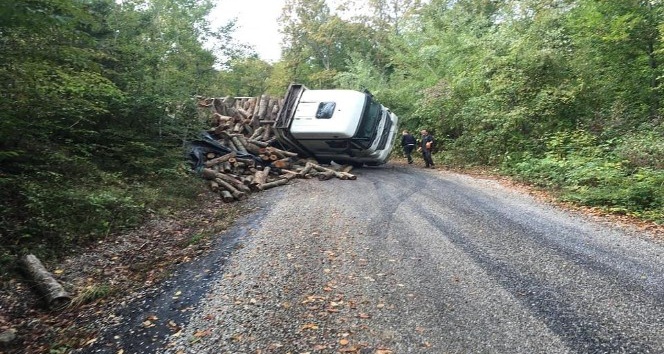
[{"x": 249, "y": 158}]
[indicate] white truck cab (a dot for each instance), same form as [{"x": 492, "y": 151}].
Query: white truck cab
[{"x": 344, "y": 126}]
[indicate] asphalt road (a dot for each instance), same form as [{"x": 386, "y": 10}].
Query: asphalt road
[{"x": 407, "y": 260}]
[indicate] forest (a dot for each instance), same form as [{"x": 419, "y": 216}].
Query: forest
[{"x": 98, "y": 98}]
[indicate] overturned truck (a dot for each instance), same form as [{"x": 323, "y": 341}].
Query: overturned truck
[
  {"x": 256, "y": 143},
  {"x": 344, "y": 126}
]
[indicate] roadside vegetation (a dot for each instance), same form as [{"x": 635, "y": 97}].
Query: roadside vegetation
[{"x": 96, "y": 103}]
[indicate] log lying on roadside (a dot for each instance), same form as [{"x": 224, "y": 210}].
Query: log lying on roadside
[
  {"x": 54, "y": 294},
  {"x": 248, "y": 158}
]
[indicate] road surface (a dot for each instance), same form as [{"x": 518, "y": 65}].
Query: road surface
[{"x": 407, "y": 260}]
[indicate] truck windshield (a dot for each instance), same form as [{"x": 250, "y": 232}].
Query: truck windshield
[{"x": 367, "y": 129}]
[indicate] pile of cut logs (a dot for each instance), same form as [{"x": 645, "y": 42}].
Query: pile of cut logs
[{"x": 243, "y": 126}]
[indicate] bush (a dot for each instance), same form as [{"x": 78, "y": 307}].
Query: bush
[
  {"x": 49, "y": 211},
  {"x": 587, "y": 173},
  {"x": 643, "y": 150}
]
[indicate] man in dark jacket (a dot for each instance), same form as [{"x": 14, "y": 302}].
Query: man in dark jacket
[
  {"x": 426, "y": 146},
  {"x": 408, "y": 143}
]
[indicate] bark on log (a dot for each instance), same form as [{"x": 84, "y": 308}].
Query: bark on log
[
  {"x": 288, "y": 174},
  {"x": 282, "y": 163},
  {"x": 267, "y": 133},
  {"x": 238, "y": 127},
  {"x": 252, "y": 148},
  {"x": 325, "y": 175},
  {"x": 226, "y": 167},
  {"x": 307, "y": 168},
  {"x": 220, "y": 159},
  {"x": 226, "y": 196},
  {"x": 234, "y": 192},
  {"x": 217, "y": 176},
  {"x": 233, "y": 181},
  {"x": 275, "y": 111},
  {"x": 258, "y": 143},
  {"x": 262, "y": 109},
  {"x": 257, "y": 133},
  {"x": 238, "y": 144},
  {"x": 281, "y": 153},
  {"x": 248, "y": 128},
  {"x": 242, "y": 112},
  {"x": 260, "y": 178},
  {"x": 55, "y": 295},
  {"x": 340, "y": 175},
  {"x": 279, "y": 182},
  {"x": 346, "y": 168}
]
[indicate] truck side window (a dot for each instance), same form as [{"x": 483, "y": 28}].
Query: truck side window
[{"x": 325, "y": 110}]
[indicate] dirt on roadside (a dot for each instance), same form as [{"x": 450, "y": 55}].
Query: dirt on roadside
[{"x": 105, "y": 275}]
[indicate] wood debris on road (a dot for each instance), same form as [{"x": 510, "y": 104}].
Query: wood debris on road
[{"x": 247, "y": 157}]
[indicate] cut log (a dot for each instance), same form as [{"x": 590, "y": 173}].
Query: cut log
[
  {"x": 252, "y": 148},
  {"x": 340, "y": 175},
  {"x": 258, "y": 143},
  {"x": 282, "y": 163},
  {"x": 267, "y": 133},
  {"x": 257, "y": 133},
  {"x": 226, "y": 196},
  {"x": 242, "y": 112},
  {"x": 220, "y": 159},
  {"x": 234, "y": 192},
  {"x": 325, "y": 175},
  {"x": 281, "y": 153},
  {"x": 238, "y": 127},
  {"x": 216, "y": 176},
  {"x": 307, "y": 168},
  {"x": 238, "y": 145},
  {"x": 262, "y": 109},
  {"x": 279, "y": 182},
  {"x": 248, "y": 128},
  {"x": 55, "y": 295},
  {"x": 346, "y": 168},
  {"x": 260, "y": 178},
  {"x": 246, "y": 162}
]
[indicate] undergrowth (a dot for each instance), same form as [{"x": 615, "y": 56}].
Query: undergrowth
[
  {"x": 613, "y": 175},
  {"x": 49, "y": 212}
]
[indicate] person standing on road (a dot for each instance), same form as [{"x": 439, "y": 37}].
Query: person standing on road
[
  {"x": 426, "y": 146},
  {"x": 408, "y": 143}
]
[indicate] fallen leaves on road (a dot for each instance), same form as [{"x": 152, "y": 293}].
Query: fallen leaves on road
[{"x": 309, "y": 326}]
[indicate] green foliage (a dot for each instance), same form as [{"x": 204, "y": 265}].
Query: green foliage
[
  {"x": 95, "y": 107},
  {"x": 645, "y": 149},
  {"x": 586, "y": 173}
]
